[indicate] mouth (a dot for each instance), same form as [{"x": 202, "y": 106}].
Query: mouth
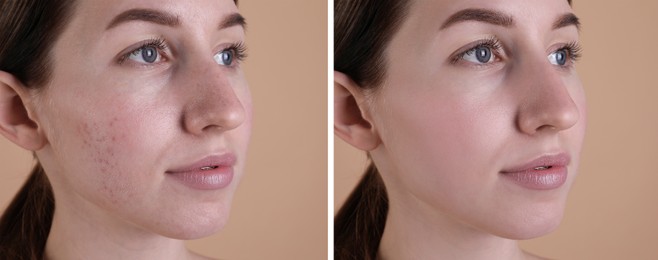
[
  {"x": 206, "y": 168},
  {"x": 210, "y": 173},
  {"x": 209, "y": 163},
  {"x": 545, "y": 173},
  {"x": 542, "y": 163}
]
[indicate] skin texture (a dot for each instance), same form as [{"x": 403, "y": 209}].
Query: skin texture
[
  {"x": 110, "y": 130},
  {"x": 440, "y": 132}
]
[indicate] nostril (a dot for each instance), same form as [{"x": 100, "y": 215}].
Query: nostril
[{"x": 546, "y": 128}]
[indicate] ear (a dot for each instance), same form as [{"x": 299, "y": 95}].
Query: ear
[
  {"x": 16, "y": 123},
  {"x": 351, "y": 119}
]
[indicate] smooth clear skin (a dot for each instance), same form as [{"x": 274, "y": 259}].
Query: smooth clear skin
[
  {"x": 113, "y": 124},
  {"x": 441, "y": 131}
]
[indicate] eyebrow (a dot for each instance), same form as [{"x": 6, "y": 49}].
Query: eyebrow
[
  {"x": 501, "y": 19},
  {"x": 233, "y": 19},
  {"x": 162, "y": 18},
  {"x": 480, "y": 15},
  {"x": 147, "y": 15},
  {"x": 566, "y": 20}
]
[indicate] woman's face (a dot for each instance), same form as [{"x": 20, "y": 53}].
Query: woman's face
[
  {"x": 148, "y": 114},
  {"x": 482, "y": 114}
]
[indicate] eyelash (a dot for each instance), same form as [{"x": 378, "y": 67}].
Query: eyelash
[
  {"x": 238, "y": 49},
  {"x": 157, "y": 43},
  {"x": 573, "y": 49},
  {"x": 492, "y": 43}
]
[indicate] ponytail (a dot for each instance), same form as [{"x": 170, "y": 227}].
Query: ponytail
[
  {"x": 359, "y": 224},
  {"x": 25, "y": 225}
]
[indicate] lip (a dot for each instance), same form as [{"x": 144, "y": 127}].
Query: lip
[
  {"x": 544, "y": 173},
  {"x": 210, "y": 173}
]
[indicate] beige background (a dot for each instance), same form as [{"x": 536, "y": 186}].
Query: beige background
[
  {"x": 612, "y": 212},
  {"x": 280, "y": 209}
]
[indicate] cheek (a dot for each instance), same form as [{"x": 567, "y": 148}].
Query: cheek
[
  {"x": 247, "y": 102},
  {"x": 100, "y": 142},
  {"x": 581, "y": 102},
  {"x": 443, "y": 149},
  {"x": 103, "y": 149},
  {"x": 575, "y": 136},
  {"x": 444, "y": 138},
  {"x": 112, "y": 154},
  {"x": 244, "y": 130}
]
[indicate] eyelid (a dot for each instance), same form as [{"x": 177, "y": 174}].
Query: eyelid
[
  {"x": 574, "y": 48},
  {"x": 492, "y": 42},
  {"x": 159, "y": 43},
  {"x": 574, "y": 51},
  {"x": 239, "y": 50}
]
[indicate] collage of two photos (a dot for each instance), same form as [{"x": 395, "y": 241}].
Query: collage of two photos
[{"x": 341, "y": 129}]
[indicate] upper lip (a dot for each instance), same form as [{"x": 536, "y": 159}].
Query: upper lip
[
  {"x": 556, "y": 160},
  {"x": 223, "y": 160}
]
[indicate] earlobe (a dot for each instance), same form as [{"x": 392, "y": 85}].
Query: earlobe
[
  {"x": 15, "y": 121},
  {"x": 351, "y": 120}
]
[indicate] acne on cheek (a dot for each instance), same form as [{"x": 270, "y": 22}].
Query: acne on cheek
[{"x": 100, "y": 142}]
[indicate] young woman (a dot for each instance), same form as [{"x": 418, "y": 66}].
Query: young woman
[
  {"x": 473, "y": 116},
  {"x": 139, "y": 115}
]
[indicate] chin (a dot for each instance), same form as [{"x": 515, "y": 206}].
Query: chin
[
  {"x": 196, "y": 225},
  {"x": 531, "y": 224}
]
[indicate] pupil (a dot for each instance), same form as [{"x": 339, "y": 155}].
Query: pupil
[
  {"x": 483, "y": 54},
  {"x": 226, "y": 58},
  {"x": 149, "y": 54},
  {"x": 561, "y": 57}
]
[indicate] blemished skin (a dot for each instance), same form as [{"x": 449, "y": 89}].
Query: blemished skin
[
  {"x": 130, "y": 103},
  {"x": 449, "y": 130}
]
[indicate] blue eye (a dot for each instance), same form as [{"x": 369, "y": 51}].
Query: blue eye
[
  {"x": 479, "y": 54},
  {"x": 565, "y": 56},
  {"x": 559, "y": 57},
  {"x": 150, "y": 52},
  {"x": 224, "y": 57},
  {"x": 232, "y": 55},
  {"x": 146, "y": 54},
  {"x": 483, "y": 52}
]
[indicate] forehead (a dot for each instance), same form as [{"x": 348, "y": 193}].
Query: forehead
[
  {"x": 94, "y": 15},
  {"x": 526, "y": 13}
]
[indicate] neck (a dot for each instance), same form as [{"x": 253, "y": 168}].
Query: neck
[
  {"x": 409, "y": 235},
  {"x": 77, "y": 233}
]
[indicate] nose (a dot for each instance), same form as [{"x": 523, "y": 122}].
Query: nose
[
  {"x": 214, "y": 104},
  {"x": 547, "y": 105}
]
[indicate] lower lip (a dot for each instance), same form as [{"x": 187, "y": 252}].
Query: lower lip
[
  {"x": 213, "y": 179},
  {"x": 548, "y": 179}
]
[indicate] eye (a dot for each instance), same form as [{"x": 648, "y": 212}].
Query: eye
[
  {"x": 225, "y": 57},
  {"x": 479, "y": 54},
  {"x": 231, "y": 55},
  {"x": 482, "y": 52},
  {"x": 559, "y": 57},
  {"x": 566, "y": 55},
  {"x": 146, "y": 54}
]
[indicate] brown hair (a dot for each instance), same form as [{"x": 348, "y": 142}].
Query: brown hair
[
  {"x": 362, "y": 31},
  {"x": 359, "y": 224},
  {"x": 28, "y": 30}
]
